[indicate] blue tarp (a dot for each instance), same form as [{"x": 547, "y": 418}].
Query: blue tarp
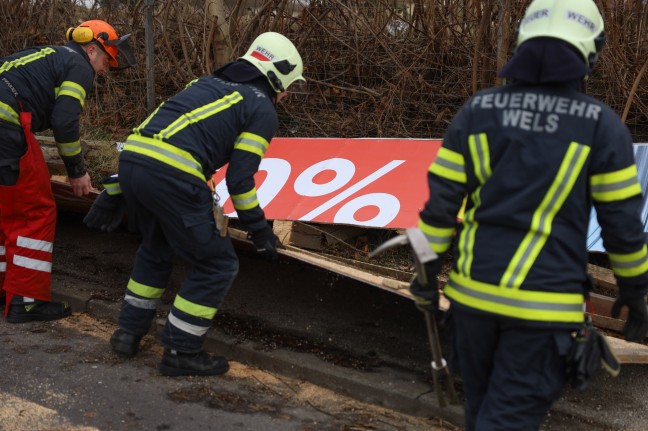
[{"x": 594, "y": 241}]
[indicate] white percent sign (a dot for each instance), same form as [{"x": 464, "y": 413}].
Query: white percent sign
[
  {"x": 388, "y": 205},
  {"x": 278, "y": 171}
]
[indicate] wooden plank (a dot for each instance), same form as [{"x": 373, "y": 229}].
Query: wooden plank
[{"x": 628, "y": 353}]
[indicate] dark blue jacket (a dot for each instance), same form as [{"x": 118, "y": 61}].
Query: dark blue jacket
[{"x": 52, "y": 83}]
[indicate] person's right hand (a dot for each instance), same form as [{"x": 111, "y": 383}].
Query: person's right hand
[
  {"x": 636, "y": 324},
  {"x": 81, "y": 186},
  {"x": 266, "y": 243}
]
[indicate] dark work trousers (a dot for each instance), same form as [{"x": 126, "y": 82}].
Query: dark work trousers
[
  {"x": 175, "y": 218},
  {"x": 511, "y": 372}
]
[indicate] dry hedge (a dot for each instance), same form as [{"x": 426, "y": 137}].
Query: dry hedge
[{"x": 379, "y": 68}]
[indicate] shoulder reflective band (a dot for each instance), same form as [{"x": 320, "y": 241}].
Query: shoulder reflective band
[
  {"x": 199, "y": 114},
  {"x": 21, "y": 61}
]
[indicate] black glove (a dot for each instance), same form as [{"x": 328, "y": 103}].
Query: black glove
[
  {"x": 106, "y": 212},
  {"x": 636, "y": 324},
  {"x": 266, "y": 243},
  {"x": 427, "y": 296}
]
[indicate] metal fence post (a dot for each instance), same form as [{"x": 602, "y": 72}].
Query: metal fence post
[{"x": 150, "y": 54}]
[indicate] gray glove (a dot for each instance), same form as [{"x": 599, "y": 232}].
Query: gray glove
[
  {"x": 106, "y": 212},
  {"x": 427, "y": 296},
  {"x": 636, "y": 324},
  {"x": 266, "y": 243}
]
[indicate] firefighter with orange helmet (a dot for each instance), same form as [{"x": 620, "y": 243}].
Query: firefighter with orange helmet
[{"x": 42, "y": 88}]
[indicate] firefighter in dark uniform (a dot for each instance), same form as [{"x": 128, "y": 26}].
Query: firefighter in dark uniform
[
  {"x": 42, "y": 88},
  {"x": 164, "y": 174},
  {"x": 532, "y": 157}
]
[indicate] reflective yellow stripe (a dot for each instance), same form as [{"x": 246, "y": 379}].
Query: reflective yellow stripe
[
  {"x": 480, "y": 154},
  {"x": 165, "y": 153},
  {"x": 26, "y": 59},
  {"x": 252, "y": 143},
  {"x": 245, "y": 201},
  {"x": 439, "y": 238},
  {"x": 199, "y": 114},
  {"x": 8, "y": 114},
  {"x": 72, "y": 89},
  {"x": 450, "y": 165},
  {"x": 615, "y": 186},
  {"x": 467, "y": 238},
  {"x": 144, "y": 290},
  {"x": 113, "y": 189},
  {"x": 543, "y": 217},
  {"x": 69, "y": 149},
  {"x": 148, "y": 119},
  {"x": 630, "y": 264},
  {"x": 194, "y": 309},
  {"x": 516, "y": 303}
]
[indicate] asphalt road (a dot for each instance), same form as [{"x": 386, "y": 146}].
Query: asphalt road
[
  {"x": 287, "y": 321},
  {"x": 63, "y": 376}
]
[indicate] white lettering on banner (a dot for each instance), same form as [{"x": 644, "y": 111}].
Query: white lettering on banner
[
  {"x": 388, "y": 208},
  {"x": 278, "y": 172},
  {"x": 351, "y": 190},
  {"x": 344, "y": 170}
]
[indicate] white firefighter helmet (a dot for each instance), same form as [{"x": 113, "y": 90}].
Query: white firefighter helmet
[
  {"x": 577, "y": 22},
  {"x": 277, "y": 59}
]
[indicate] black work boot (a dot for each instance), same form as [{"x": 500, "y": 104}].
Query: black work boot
[
  {"x": 125, "y": 343},
  {"x": 176, "y": 363},
  {"x": 39, "y": 311}
]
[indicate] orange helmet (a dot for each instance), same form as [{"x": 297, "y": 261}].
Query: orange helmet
[{"x": 105, "y": 35}]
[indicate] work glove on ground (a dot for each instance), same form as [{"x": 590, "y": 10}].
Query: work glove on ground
[
  {"x": 426, "y": 295},
  {"x": 636, "y": 324},
  {"x": 266, "y": 243},
  {"x": 106, "y": 212}
]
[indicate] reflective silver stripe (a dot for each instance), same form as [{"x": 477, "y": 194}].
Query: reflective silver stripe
[
  {"x": 190, "y": 164},
  {"x": 35, "y": 244},
  {"x": 3, "y": 250},
  {"x": 519, "y": 303},
  {"x": 29, "y": 263},
  {"x": 147, "y": 304},
  {"x": 196, "y": 330},
  {"x": 3, "y": 266}
]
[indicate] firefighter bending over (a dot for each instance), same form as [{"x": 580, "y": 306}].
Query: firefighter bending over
[
  {"x": 43, "y": 88},
  {"x": 164, "y": 173}
]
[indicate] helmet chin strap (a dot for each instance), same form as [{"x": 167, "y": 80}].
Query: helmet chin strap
[{"x": 275, "y": 81}]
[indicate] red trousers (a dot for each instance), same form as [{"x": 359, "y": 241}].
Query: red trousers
[{"x": 27, "y": 226}]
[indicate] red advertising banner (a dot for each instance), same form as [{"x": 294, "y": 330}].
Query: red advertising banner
[{"x": 363, "y": 182}]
